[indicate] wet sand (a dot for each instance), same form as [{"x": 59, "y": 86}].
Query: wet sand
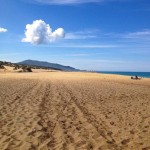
[{"x": 73, "y": 111}]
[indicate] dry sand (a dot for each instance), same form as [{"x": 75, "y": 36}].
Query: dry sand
[{"x": 73, "y": 111}]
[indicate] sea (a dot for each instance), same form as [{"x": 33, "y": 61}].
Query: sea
[{"x": 139, "y": 74}]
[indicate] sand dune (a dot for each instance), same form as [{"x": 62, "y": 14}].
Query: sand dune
[{"x": 73, "y": 111}]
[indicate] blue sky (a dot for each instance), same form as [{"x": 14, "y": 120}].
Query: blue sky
[{"x": 107, "y": 35}]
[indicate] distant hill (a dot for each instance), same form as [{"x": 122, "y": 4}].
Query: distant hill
[{"x": 47, "y": 65}]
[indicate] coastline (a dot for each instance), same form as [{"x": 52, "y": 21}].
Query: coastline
[{"x": 127, "y": 73}]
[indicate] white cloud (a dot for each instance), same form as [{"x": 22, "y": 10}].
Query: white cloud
[
  {"x": 87, "y": 46},
  {"x": 71, "y": 2},
  {"x": 60, "y": 2},
  {"x": 3, "y": 30},
  {"x": 87, "y": 34},
  {"x": 73, "y": 36},
  {"x": 41, "y": 33},
  {"x": 139, "y": 35}
]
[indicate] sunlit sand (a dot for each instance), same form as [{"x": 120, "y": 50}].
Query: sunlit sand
[{"x": 73, "y": 111}]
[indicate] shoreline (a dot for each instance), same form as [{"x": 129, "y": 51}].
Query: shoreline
[
  {"x": 88, "y": 74},
  {"x": 126, "y": 73}
]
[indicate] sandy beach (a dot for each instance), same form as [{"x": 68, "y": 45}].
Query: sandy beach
[{"x": 73, "y": 111}]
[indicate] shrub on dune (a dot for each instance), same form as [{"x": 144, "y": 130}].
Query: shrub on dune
[
  {"x": 26, "y": 69},
  {"x": 2, "y": 67},
  {"x": 29, "y": 69}
]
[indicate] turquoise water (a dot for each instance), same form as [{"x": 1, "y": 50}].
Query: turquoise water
[{"x": 139, "y": 74}]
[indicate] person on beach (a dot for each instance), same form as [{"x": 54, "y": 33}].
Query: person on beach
[{"x": 136, "y": 78}]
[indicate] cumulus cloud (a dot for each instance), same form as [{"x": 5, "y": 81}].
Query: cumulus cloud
[
  {"x": 41, "y": 33},
  {"x": 3, "y": 30}
]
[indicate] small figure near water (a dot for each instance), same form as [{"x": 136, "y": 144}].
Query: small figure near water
[{"x": 136, "y": 78}]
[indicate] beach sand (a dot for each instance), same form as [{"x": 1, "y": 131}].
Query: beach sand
[{"x": 73, "y": 111}]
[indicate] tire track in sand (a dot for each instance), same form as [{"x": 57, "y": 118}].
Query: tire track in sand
[
  {"x": 15, "y": 134},
  {"x": 96, "y": 131},
  {"x": 62, "y": 126},
  {"x": 65, "y": 123}
]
